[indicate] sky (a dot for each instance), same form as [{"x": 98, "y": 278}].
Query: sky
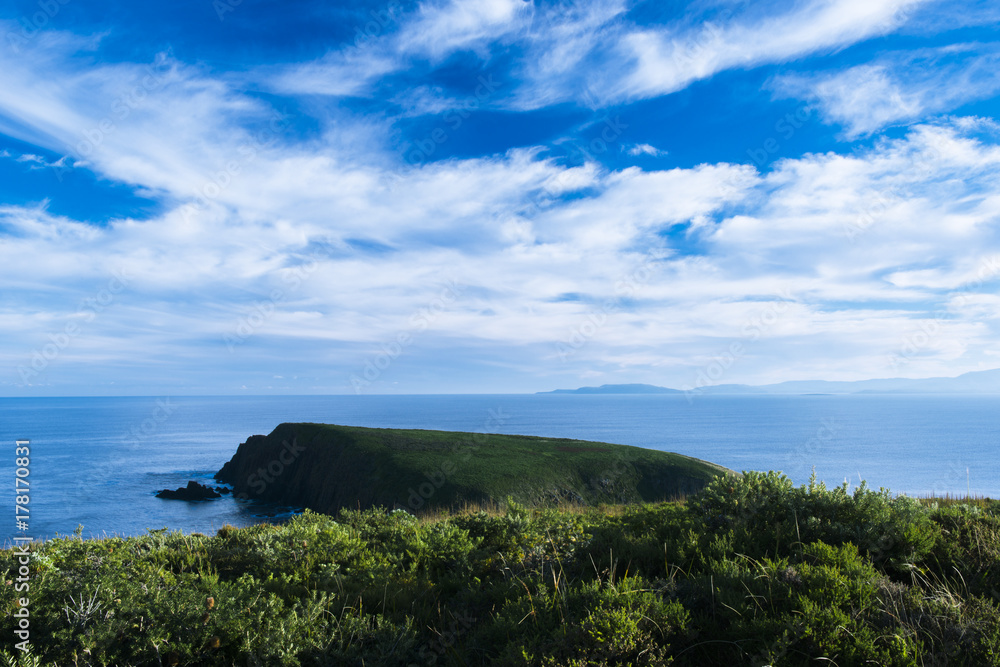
[{"x": 495, "y": 196}]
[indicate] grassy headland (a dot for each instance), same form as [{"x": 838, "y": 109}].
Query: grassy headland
[{"x": 327, "y": 468}]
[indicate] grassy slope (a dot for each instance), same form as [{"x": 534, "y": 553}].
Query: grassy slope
[{"x": 343, "y": 466}]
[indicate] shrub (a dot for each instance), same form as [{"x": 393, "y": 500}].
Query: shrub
[
  {"x": 769, "y": 516},
  {"x": 753, "y": 571}
]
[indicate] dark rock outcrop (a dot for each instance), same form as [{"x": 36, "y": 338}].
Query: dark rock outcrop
[
  {"x": 193, "y": 491},
  {"x": 307, "y": 465}
]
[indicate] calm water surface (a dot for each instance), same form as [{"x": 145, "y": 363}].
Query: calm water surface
[{"x": 97, "y": 462}]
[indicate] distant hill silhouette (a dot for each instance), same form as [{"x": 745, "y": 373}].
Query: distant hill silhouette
[
  {"x": 975, "y": 382},
  {"x": 617, "y": 389}
]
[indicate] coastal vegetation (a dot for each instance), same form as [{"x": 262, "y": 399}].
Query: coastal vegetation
[{"x": 750, "y": 570}]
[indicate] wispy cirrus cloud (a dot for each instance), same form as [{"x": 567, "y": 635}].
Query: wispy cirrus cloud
[
  {"x": 353, "y": 71},
  {"x": 438, "y": 29},
  {"x": 900, "y": 87},
  {"x": 644, "y": 149},
  {"x": 589, "y": 53},
  {"x": 665, "y": 61}
]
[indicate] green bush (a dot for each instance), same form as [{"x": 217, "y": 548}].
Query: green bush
[
  {"x": 752, "y": 571},
  {"x": 769, "y": 516}
]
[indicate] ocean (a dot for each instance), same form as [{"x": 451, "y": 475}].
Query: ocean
[{"x": 97, "y": 462}]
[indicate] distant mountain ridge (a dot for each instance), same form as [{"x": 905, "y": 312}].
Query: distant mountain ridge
[
  {"x": 975, "y": 382},
  {"x": 617, "y": 389}
]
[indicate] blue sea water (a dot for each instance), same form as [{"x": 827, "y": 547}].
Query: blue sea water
[{"x": 97, "y": 462}]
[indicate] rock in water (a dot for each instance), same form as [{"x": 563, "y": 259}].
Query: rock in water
[{"x": 193, "y": 491}]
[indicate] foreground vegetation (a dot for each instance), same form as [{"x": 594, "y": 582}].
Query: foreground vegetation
[{"x": 750, "y": 571}]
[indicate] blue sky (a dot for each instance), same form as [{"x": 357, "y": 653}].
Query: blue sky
[{"x": 225, "y": 196}]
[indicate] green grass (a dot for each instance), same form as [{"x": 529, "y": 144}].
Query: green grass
[
  {"x": 749, "y": 571},
  {"x": 349, "y": 467}
]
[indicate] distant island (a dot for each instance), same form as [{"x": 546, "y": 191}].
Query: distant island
[
  {"x": 617, "y": 389},
  {"x": 326, "y": 468},
  {"x": 975, "y": 382}
]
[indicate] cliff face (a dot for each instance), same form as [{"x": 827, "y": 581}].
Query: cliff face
[
  {"x": 327, "y": 468},
  {"x": 304, "y": 465}
]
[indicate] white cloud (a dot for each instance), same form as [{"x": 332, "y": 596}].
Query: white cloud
[
  {"x": 667, "y": 61},
  {"x": 866, "y": 99},
  {"x": 516, "y": 260},
  {"x": 352, "y": 71},
  {"x": 863, "y": 244},
  {"x": 967, "y": 273},
  {"x": 555, "y": 40},
  {"x": 441, "y": 28},
  {"x": 37, "y": 161},
  {"x": 976, "y": 124},
  {"x": 643, "y": 149},
  {"x": 588, "y": 52},
  {"x": 563, "y": 48},
  {"x": 940, "y": 16},
  {"x": 425, "y": 100},
  {"x": 900, "y": 87}
]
